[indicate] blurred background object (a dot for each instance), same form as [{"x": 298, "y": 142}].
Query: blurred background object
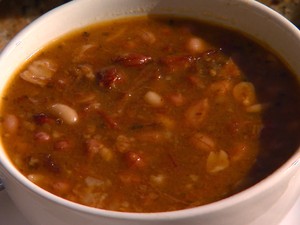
[
  {"x": 288, "y": 8},
  {"x": 16, "y": 14}
]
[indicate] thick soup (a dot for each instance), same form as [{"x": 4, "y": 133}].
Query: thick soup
[{"x": 150, "y": 114}]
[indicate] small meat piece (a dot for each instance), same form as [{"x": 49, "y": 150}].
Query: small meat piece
[
  {"x": 108, "y": 77},
  {"x": 230, "y": 70},
  {"x": 134, "y": 159},
  {"x": 62, "y": 145},
  {"x": 41, "y": 118},
  {"x": 42, "y": 136},
  {"x": 123, "y": 143},
  {"x": 39, "y": 72},
  {"x": 132, "y": 59},
  {"x": 177, "y": 99},
  {"x": 178, "y": 62},
  {"x": 95, "y": 146}
]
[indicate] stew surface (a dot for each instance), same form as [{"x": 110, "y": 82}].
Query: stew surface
[{"x": 150, "y": 114}]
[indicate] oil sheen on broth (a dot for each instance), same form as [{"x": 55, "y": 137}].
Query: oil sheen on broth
[{"x": 150, "y": 114}]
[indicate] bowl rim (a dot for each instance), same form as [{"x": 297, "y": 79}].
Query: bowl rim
[{"x": 290, "y": 166}]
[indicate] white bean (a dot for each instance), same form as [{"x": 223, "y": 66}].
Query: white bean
[
  {"x": 217, "y": 161},
  {"x": 257, "y": 108},
  {"x": 196, "y": 45},
  {"x": 66, "y": 113},
  {"x": 153, "y": 99}
]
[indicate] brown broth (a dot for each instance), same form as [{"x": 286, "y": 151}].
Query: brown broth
[{"x": 150, "y": 114}]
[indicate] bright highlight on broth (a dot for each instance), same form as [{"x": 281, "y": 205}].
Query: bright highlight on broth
[{"x": 150, "y": 114}]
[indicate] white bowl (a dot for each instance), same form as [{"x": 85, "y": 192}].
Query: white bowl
[{"x": 252, "y": 206}]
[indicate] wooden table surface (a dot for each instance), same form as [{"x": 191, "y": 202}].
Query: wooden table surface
[{"x": 16, "y": 14}]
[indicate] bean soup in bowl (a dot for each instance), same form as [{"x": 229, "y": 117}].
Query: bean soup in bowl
[{"x": 151, "y": 113}]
